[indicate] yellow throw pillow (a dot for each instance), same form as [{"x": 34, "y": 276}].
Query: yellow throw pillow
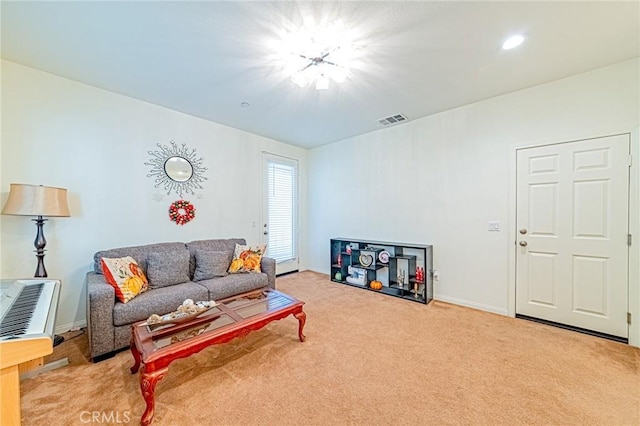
[
  {"x": 247, "y": 259},
  {"x": 125, "y": 276}
]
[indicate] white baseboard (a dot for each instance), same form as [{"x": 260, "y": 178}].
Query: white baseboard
[
  {"x": 474, "y": 305},
  {"x": 68, "y": 327},
  {"x": 452, "y": 300},
  {"x": 47, "y": 367}
]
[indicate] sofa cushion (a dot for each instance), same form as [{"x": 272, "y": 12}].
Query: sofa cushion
[
  {"x": 164, "y": 269},
  {"x": 139, "y": 253},
  {"x": 125, "y": 276},
  {"x": 157, "y": 301},
  {"x": 233, "y": 284},
  {"x": 227, "y": 245},
  {"x": 211, "y": 264}
]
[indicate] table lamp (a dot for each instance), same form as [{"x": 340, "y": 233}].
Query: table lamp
[{"x": 37, "y": 200}]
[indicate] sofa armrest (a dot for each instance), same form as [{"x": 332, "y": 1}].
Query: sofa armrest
[
  {"x": 100, "y": 302},
  {"x": 268, "y": 266}
]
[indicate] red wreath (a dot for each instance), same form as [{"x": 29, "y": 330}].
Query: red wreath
[{"x": 181, "y": 212}]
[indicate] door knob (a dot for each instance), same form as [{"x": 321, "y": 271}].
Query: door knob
[
  {"x": 523, "y": 231},
  {"x": 523, "y": 243}
]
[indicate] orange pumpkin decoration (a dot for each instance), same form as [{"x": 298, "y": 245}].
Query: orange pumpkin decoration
[
  {"x": 252, "y": 262},
  {"x": 137, "y": 271},
  {"x": 236, "y": 265},
  {"x": 135, "y": 285},
  {"x": 375, "y": 285}
]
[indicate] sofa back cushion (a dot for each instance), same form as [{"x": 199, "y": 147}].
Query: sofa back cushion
[
  {"x": 225, "y": 245},
  {"x": 210, "y": 264},
  {"x": 139, "y": 253},
  {"x": 168, "y": 268}
]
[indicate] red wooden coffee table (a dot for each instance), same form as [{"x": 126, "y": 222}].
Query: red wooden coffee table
[{"x": 154, "y": 350}]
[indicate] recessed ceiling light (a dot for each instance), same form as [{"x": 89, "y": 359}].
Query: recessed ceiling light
[
  {"x": 513, "y": 41},
  {"x": 244, "y": 104}
]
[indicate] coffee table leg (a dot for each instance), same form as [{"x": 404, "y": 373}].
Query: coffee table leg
[
  {"x": 148, "y": 382},
  {"x": 136, "y": 357},
  {"x": 302, "y": 318}
]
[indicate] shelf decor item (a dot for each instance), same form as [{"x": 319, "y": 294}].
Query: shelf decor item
[
  {"x": 365, "y": 260},
  {"x": 181, "y": 212},
  {"x": 375, "y": 285},
  {"x": 357, "y": 276},
  {"x": 383, "y": 257}
]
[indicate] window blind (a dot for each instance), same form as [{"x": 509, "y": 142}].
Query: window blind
[{"x": 281, "y": 178}]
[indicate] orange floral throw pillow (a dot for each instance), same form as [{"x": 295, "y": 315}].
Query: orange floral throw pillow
[
  {"x": 247, "y": 259},
  {"x": 125, "y": 276}
]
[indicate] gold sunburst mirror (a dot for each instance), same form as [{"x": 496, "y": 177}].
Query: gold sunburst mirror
[{"x": 176, "y": 169}]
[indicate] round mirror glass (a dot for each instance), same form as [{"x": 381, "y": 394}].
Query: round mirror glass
[{"x": 178, "y": 169}]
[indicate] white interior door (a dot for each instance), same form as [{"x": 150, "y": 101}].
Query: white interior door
[
  {"x": 280, "y": 211},
  {"x": 572, "y": 222}
]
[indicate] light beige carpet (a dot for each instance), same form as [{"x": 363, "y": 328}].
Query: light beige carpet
[{"x": 369, "y": 359}]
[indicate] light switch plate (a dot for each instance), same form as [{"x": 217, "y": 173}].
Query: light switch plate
[{"x": 494, "y": 225}]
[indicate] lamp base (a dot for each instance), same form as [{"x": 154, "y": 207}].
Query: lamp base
[
  {"x": 40, "y": 244},
  {"x": 57, "y": 340}
]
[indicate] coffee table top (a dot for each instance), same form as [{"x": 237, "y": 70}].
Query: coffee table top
[{"x": 224, "y": 322}]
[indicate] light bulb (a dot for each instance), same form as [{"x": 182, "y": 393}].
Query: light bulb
[
  {"x": 513, "y": 41},
  {"x": 338, "y": 74},
  {"x": 300, "y": 79},
  {"x": 322, "y": 83}
]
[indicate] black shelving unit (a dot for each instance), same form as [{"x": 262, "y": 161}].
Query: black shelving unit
[{"x": 405, "y": 270}]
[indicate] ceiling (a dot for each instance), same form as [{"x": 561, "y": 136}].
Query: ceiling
[{"x": 414, "y": 58}]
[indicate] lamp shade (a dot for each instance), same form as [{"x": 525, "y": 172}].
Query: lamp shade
[{"x": 36, "y": 200}]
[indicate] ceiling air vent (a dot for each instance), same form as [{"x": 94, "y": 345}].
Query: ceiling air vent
[{"x": 393, "y": 119}]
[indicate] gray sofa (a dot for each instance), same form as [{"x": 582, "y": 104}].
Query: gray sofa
[{"x": 174, "y": 275}]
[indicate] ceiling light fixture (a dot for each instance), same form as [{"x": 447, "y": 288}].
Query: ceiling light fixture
[
  {"x": 513, "y": 42},
  {"x": 319, "y": 69},
  {"x": 317, "y": 57}
]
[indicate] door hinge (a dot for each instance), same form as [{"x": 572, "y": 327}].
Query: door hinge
[
  {"x": 629, "y": 318},
  {"x": 630, "y": 160},
  {"x": 628, "y": 239}
]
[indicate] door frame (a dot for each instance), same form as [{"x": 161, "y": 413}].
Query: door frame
[
  {"x": 266, "y": 155},
  {"x": 634, "y": 229}
]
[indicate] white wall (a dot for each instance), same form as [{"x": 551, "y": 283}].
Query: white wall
[
  {"x": 58, "y": 132},
  {"x": 439, "y": 180}
]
